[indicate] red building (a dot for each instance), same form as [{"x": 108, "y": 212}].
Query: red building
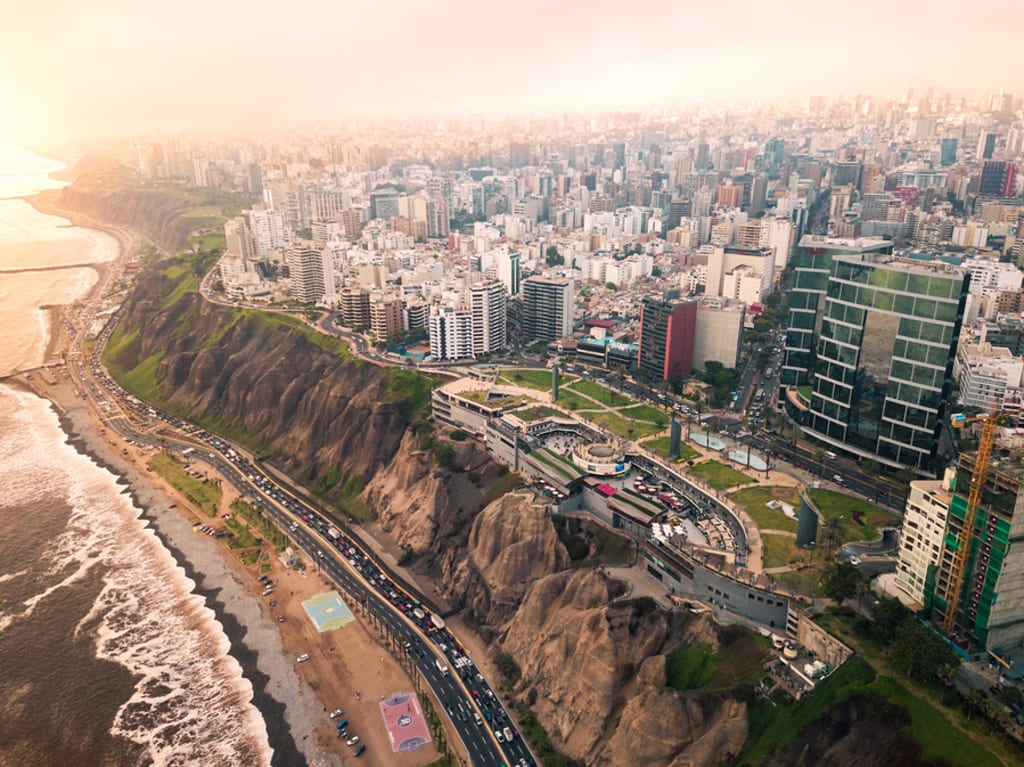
[{"x": 667, "y": 331}]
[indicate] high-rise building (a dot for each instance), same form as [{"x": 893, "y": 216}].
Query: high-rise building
[
  {"x": 886, "y": 331},
  {"x": 667, "y": 335},
  {"x": 746, "y": 274},
  {"x": 718, "y": 336},
  {"x": 238, "y": 239},
  {"x": 998, "y": 179},
  {"x": 384, "y": 204},
  {"x": 386, "y": 316},
  {"x": 812, "y": 265},
  {"x": 947, "y": 151},
  {"x": 991, "y": 608},
  {"x": 487, "y": 301},
  {"x": 268, "y": 230},
  {"x": 924, "y": 526},
  {"x": 778, "y": 234},
  {"x": 355, "y": 307},
  {"x": 986, "y": 146},
  {"x": 312, "y": 275},
  {"x": 507, "y": 269},
  {"x": 451, "y": 333},
  {"x": 547, "y": 308}
]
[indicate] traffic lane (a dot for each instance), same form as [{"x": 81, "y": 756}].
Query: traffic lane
[
  {"x": 341, "y": 576},
  {"x": 233, "y": 467},
  {"x": 443, "y": 686}
]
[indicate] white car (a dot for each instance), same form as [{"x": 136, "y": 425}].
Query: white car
[
  {"x": 336, "y": 713},
  {"x": 302, "y": 658},
  {"x": 353, "y": 740}
]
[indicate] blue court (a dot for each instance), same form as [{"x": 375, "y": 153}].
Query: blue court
[{"x": 327, "y": 611}]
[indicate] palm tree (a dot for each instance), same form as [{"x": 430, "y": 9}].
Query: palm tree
[{"x": 832, "y": 533}]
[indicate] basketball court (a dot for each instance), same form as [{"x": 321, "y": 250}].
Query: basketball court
[{"x": 403, "y": 718}]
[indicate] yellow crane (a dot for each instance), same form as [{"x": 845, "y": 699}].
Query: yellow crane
[{"x": 964, "y": 539}]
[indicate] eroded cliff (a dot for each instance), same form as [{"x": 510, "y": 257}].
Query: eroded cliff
[{"x": 592, "y": 667}]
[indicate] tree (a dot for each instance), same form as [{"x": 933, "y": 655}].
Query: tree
[
  {"x": 553, "y": 257},
  {"x": 832, "y": 533},
  {"x": 889, "y": 614},
  {"x": 840, "y": 581},
  {"x": 920, "y": 652}
]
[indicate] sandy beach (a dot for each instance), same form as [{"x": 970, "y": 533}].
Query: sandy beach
[{"x": 294, "y": 699}]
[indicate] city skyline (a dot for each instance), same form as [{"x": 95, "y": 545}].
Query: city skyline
[{"x": 115, "y": 67}]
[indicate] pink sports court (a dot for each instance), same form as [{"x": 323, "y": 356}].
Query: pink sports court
[{"x": 407, "y": 729}]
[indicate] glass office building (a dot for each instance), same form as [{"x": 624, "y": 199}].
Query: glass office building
[{"x": 884, "y": 337}]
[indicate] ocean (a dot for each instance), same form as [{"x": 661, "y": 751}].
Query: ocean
[{"x": 107, "y": 654}]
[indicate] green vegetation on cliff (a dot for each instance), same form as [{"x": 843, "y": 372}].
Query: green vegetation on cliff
[
  {"x": 266, "y": 380},
  {"x": 776, "y": 725}
]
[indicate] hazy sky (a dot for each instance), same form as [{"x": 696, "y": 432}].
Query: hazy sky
[{"x": 87, "y": 66}]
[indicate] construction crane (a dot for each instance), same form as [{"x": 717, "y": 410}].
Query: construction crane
[{"x": 964, "y": 539}]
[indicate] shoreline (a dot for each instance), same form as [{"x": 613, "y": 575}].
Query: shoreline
[
  {"x": 125, "y": 240},
  {"x": 292, "y": 700},
  {"x": 217, "y": 592}
]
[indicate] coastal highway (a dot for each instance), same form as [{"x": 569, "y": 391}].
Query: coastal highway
[{"x": 475, "y": 710}]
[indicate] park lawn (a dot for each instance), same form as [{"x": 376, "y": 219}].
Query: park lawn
[
  {"x": 753, "y": 500},
  {"x": 646, "y": 413},
  {"x": 531, "y": 379},
  {"x": 622, "y": 427},
  {"x": 660, "y": 445},
  {"x": 599, "y": 393},
  {"x": 573, "y": 400},
  {"x": 781, "y": 550},
  {"x": 718, "y": 475},
  {"x": 538, "y": 413},
  {"x": 243, "y": 537},
  {"x": 202, "y": 494},
  {"x": 803, "y": 581},
  {"x": 832, "y": 505}
]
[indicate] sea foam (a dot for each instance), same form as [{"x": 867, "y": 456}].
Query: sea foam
[{"x": 190, "y": 704}]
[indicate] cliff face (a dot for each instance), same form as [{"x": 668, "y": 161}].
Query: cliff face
[
  {"x": 318, "y": 418},
  {"x": 155, "y": 214},
  {"x": 595, "y": 668},
  {"x": 592, "y": 667}
]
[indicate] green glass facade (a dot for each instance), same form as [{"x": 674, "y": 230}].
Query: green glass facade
[{"x": 875, "y": 337}]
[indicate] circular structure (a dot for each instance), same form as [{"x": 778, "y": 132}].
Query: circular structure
[{"x": 601, "y": 459}]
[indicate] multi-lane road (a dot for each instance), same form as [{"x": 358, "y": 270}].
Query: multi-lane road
[{"x": 475, "y": 710}]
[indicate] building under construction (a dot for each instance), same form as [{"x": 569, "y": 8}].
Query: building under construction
[{"x": 989, "y": 613}]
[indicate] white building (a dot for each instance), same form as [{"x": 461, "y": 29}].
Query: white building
[
  {"x": 488, "y": 304},
  {"x": 312, "y": 275},
  {"x": 779, "y": 235},
  {"x": 268, "y": 230},
  {"x": 451, "y": 333},
  {"x": 985, "y": 372},
  {"x": 718, "y": 332},
  {"x": 744, "y": 274},
  {"x": 924, "y": 524}
]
